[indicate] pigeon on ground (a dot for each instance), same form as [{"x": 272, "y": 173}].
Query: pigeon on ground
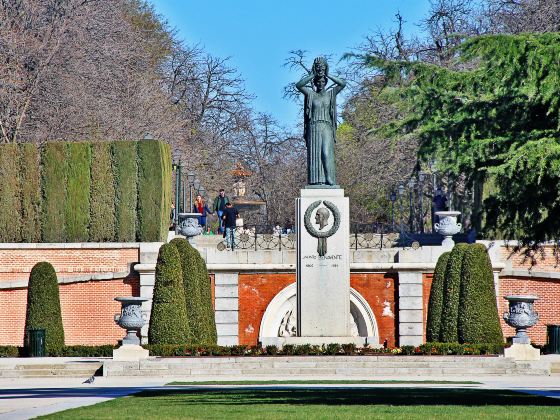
[{"x": 89, "y": 380}]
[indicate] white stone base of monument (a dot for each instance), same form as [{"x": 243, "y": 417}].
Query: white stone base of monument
[
  {"x": 323, "y": 268},
  {"x": 319, "y": 341},
  {"x": 522, "y": 352},
  {"x": 130, "y": 353}
]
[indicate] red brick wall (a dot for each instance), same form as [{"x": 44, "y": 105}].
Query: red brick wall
[
  {"x": 87, "y": 311},
  {"x": 87, "y": 308},
  {"x": 543, "y": 260},
  {"x": 256, "y": 291},
  {"x": 427, "y": 279},
  {"x": 380, "y": 291},
  {"x": 548, "y": 305}
]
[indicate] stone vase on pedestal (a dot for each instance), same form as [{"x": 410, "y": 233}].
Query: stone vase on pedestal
[
  {"x": 447, "y": 226},
  {"x": 132, "y": 320},
  {"x": 190, "y": 227},
  {"x": 521, "y": 316}
]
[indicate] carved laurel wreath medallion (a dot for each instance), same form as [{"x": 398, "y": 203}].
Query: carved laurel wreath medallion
[{"x": 321, "y": 236}]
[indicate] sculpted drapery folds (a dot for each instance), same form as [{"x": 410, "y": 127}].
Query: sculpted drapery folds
[{"x": 320, "y": 122}]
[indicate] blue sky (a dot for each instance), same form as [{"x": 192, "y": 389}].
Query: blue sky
[{"x": 258, "y": 36}]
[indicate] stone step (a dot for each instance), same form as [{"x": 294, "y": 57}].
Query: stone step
[
  {"x": 39, "y": 370},
  {"x": 323, "y": 366}
]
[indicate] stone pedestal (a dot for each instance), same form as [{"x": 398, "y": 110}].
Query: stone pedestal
[
  {"x": 323, "y": 269},
  {"x": 522, "y": 352},
  {"x": 130, "y": 353}
]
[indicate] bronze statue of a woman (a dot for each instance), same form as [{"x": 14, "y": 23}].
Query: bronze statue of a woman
[{"x": 320, "y": 122}]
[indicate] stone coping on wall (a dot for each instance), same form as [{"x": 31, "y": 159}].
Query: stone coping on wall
[
  {"x": 545, "y": 275},
  {"x": 70, "y": 245},
  {"x": 20, "y": 284}
]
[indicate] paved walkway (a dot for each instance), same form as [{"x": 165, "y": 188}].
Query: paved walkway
[{"x": 27, "y": 398}]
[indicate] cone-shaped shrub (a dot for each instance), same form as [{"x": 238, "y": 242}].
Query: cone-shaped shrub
[
  {"x": 435, "y": 304},
  {"x": 53, "y": 209},
  {"x": 451, "y": 293},
  {"x": 126, "y": 177},
  {"x": 10, "y": 194},
  {"x": 43, "y": 306},
  {"x": 102, "y": 228},
  {"x": 209, "y": 333},
  {"x": 479, "y": 321},
  {"x": 77, "y": 197},
  {"x": 168, "y": 319},
  {"x": 187, "y": 255},
  {"x": 30, "y": 192}
]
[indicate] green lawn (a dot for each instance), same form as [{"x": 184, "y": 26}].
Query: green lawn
[
  {"x": 343, "y": 403},
  {"x": 320, "y": 381}
]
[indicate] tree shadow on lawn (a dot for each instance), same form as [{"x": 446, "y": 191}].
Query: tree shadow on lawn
[{"x": 352, "y": 396}]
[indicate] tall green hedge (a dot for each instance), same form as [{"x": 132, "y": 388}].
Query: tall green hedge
[
  {"x": 152, "y": 206},
  {"x": 435, "y": 304},
  {"x": 30, "y": 176},
  {"x": 102, "y": 227},
  {"x": 168, "y": 319},
  {"x": 10, "y": 194},
  {"x": 43, "y": 306},
  {"x": 78, "y": 192},
  {"x": 82, "y": 191},
  {"x": 478, "y": 319},
  {"x": 126, "y": 192},
  {"x": 53, "y": 209},
  {"x": 451, "y": 294}
]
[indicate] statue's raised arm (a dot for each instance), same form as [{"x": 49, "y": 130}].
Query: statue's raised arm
[{"x": 320, "y": 124}]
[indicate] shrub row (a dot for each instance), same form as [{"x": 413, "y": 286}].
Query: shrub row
[
  {"x": 462, "y": 306},
  {"x": 167, "y": 350},
  {"x": 79, "y": 192}
]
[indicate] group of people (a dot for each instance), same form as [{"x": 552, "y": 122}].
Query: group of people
[{"x": 227, "y": 215}]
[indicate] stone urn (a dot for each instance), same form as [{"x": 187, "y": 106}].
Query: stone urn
[
  {"x": 189, "y": 227},
  {"x": 521, "y": 316},
  {"x": 447, "y": 226},
  {"x": 131, "y": 317}
]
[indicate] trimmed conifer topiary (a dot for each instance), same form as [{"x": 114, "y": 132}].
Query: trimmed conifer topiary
[
  {"x": 10, "y": 194},
  {"x": 30, "y": 176},
  {"x": 53, "y": 208},
  {"x": 479, "y": 321},
  {"x": 451, "y": 294},
  {"x": 126, "y": 189},
  {"x": 168, "y": 319},
  {"x": 165, "y": 209},
  {"x": 150, "y": 178},
  {"x": 191, "y": 286},
  {"x": 435, "y": 304},
  {"x": 209, "y": 333},
  {"x": 102, "y": 198},
  {"x": 43, "y": 306},
  {"x": 78, "y": 192}
]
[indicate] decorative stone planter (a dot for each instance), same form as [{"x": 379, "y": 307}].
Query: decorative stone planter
[
  {"x": 521, "y": 316},
  {"x": 189, "y": 226},
  {"x": 131, "y": 319},
  {"x": 447, "y": 226}
]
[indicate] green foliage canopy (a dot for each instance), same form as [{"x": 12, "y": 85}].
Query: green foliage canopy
[{"x": 495, "y": 112}]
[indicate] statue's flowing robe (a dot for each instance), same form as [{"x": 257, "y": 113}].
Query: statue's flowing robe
[{"x": 312, "y": 134}]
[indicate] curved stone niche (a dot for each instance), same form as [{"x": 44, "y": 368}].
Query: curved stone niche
[{"x": 280, "y": 317}]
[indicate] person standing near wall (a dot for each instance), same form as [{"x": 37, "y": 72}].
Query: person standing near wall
[
  {"x": 230, "y": 217},
  {"x": 219, "y": 207}
]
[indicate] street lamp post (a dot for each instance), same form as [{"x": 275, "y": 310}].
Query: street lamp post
[
  {"x": 401, "y": 193},
  {"x": 421, "y": 177},
  {"x": 190, "y": 178},
  {"x": 393, "y": 198},
  {"x": 411, "y": 184},
  {"x": 177, "y": 168}
]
